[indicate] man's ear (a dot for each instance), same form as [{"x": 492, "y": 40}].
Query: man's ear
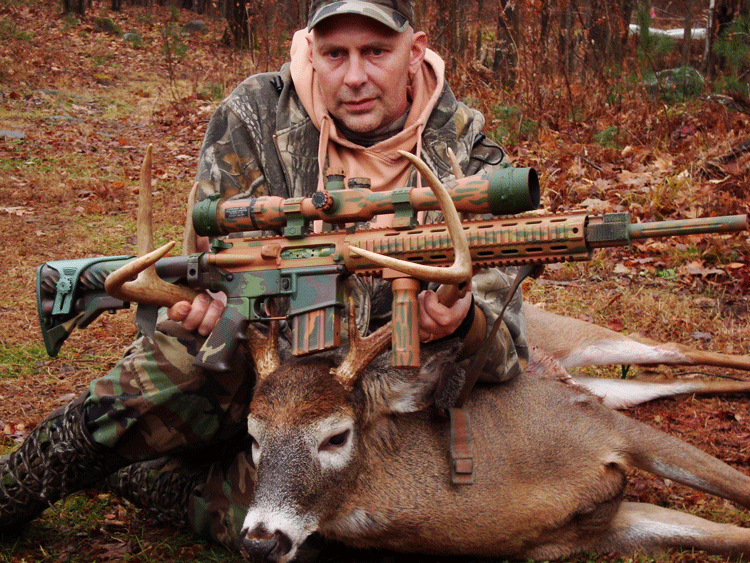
[
  {"x": 309, "y": 46},
  {"x": 418, "y": 50}
]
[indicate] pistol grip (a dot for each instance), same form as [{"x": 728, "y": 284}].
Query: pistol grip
[{"x": 221, "y": 344}]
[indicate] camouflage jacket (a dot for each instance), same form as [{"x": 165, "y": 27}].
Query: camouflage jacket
[{"x": 261, "y": 141}]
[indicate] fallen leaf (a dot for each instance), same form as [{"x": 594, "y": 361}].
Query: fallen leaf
[{"x": 18, "y": 210}]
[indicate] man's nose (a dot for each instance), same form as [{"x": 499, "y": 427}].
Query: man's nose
[{"x": 356, "y": 72}]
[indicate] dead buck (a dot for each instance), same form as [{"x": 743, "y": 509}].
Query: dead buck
[
  {"x": 363, "y": 462},
  {"x": 345, "y": 446}
]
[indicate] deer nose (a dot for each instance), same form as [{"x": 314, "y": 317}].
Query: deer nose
[{"x": 260, "y": 547}]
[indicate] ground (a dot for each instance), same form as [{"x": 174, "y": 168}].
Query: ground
[{"x": 86, "y": 104}]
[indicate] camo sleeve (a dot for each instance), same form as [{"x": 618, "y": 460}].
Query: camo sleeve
[
  {"x": 509, "y": 352},
  {"x": 228, "y": 161}
]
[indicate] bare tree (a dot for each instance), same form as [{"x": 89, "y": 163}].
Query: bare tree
[
  {"x": 687, "y": 36},
  {"x": 74, "y": 7},
  {"x": 504, "y": 64}
]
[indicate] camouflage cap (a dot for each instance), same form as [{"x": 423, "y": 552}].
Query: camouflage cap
[{"x": 396, "y": 14}]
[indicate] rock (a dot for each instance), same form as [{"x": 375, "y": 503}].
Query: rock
[
  {"x": 106, "y": 25},
  {"x": 195, "y": 26},
  {"x": 12, "y": 134}
]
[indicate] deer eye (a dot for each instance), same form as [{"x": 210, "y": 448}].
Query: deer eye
[{"x": 335, "y": 441}]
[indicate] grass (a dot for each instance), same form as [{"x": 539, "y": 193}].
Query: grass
[
  {"x": 95, "y": 527},
  {"x": 22, "y": 361}
]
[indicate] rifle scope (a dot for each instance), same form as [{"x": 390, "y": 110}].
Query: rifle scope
[{"x": 503, "y": 191}]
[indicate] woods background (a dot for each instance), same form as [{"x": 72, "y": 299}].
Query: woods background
[{"x": 517, "y": 41}]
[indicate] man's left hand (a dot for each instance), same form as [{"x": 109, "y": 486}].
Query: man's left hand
[{"x": 437, "y": 320}]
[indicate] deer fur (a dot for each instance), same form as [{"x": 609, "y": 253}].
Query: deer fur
[{"x": 370, "y": 467}]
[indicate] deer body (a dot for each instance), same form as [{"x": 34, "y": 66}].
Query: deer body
[{"x": 550, "y": 466}]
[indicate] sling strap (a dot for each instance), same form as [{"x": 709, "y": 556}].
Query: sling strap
[{"x": 462, "y": 459}]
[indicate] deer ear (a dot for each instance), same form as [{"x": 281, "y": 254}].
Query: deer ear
[{"x": 395, "y": 391}]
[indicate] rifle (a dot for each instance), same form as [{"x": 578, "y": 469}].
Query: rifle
[{"x": 310, "y": 268}]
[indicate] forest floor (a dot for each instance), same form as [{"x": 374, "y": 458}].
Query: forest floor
[{"x": 78, "y": 107}]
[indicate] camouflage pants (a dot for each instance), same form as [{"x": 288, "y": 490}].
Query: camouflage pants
[
  {"x": 218, "y": 506},
  {"x": 155, "y": 402}
]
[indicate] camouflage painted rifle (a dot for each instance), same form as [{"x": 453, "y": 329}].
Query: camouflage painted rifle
[{"x": 309, "y": 268}]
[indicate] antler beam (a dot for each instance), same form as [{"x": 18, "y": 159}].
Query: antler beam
[
  {"x": 459, "y": 273},
  {"x": 147, "y": 287}
]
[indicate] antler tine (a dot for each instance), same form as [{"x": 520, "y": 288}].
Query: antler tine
[
  {"x": 455, "y": 166},
  {"x": 459, "y": 273},
  {"x": 148, "y": 287},
  {"x": 264, "y": 348},
  {"x": 361, "y": 351}
]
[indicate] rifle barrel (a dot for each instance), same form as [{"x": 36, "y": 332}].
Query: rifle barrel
[{"x": 727, "y": 224}]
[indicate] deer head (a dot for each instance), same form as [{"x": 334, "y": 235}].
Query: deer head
[{"x": 311, "y": 432}]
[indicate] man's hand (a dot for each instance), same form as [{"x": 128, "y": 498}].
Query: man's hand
[
  {"x": 436, "y": 320},
  {"x": 202, "y": 314}
]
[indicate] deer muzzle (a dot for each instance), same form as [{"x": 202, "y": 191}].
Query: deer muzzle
[{"x": 260, "y": 546}]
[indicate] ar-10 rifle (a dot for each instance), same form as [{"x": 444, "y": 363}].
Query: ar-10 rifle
[{"x": 309, "y": 268}]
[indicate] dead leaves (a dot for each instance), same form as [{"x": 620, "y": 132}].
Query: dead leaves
[{"x": 18, "y": 210}]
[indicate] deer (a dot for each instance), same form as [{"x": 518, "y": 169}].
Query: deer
[{"x": 346, "y": 445}]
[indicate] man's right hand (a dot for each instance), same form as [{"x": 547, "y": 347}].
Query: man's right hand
[{"x": 202, "y": 314}]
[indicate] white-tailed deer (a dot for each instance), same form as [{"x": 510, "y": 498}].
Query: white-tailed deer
[
  {"x": 345, "y": 446},
  {"x": 358, "y": 459}
]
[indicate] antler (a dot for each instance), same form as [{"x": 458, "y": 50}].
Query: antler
[
  {"x": 264, "y": 348},
  {"x": 459, "y": 273},
  {"x": 361, "y": 351},
  {"x": 148, "y": 287}
]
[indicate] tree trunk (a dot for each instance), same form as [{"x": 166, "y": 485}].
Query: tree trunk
[
  {"x": 304, "y": 8},
  {"x": 74, "y": 7},
  {"x": 506, "y": 55},
  {"x": 687, "y": 35},
  {"x": 544, "y": 32},
  {"x": 236, "y": 17},
  {"x": 462, "y": 31},
  {"x": 442, "y": 30},
  {"x": 627, "y": 13},
  {"x": 480, "y": 29},
  {"x": 565, "y": 40}
]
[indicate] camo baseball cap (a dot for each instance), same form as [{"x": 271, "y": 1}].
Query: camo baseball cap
[{"x": 396, "y": 14}]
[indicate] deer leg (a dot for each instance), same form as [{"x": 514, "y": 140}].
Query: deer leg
[
  {"x": 626, "y": 393},
  {"x": 575, "y": 343},
  {"x": 648, "y": 529}
]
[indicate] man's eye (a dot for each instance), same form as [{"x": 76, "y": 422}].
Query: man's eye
[{"x": 377, "y": 52}]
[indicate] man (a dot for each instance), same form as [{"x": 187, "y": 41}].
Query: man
[{"x": 361, "y": 84}]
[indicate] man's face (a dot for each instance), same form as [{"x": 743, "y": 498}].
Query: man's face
[{"x": 364, "y": 69}]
